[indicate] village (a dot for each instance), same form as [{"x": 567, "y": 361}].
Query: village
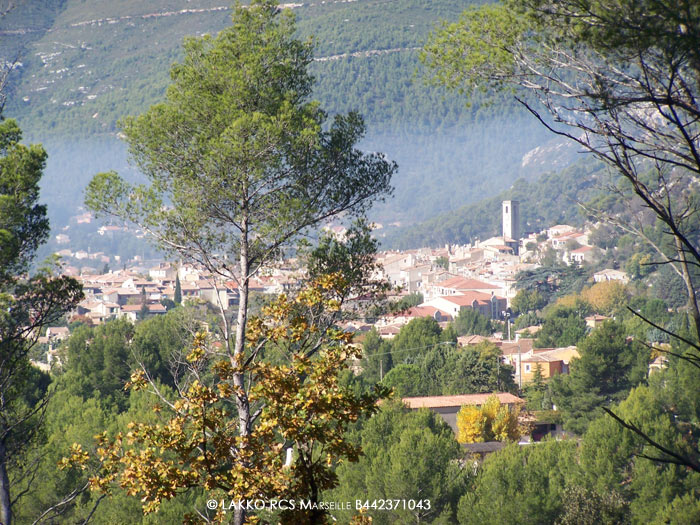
[{"x": 479, "y": 276}]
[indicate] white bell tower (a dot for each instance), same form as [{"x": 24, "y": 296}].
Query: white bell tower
[{"x": 511, "y": 220}]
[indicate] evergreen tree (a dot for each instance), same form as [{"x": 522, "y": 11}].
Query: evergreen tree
[
  {"x": 246, "y": 162},
  {"x": 608, "y": 367},
  {"x": 523, "y": 485},
  {"x": 27, "y": 304},
  {"x": 405, "y": 452},
  {"x": 178, "y": 291},
  {"x": 144, "y": 311}
]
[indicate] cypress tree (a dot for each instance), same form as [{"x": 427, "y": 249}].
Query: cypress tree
[{"x": 178, "y": 291}]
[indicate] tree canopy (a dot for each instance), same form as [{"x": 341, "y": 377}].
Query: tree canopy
[
  {"x": 619, "y": 79},
  {"x": 27, "y": 303},
  {"x": 240, "y": 162}
]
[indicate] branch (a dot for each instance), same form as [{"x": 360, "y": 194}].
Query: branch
[
  {"x": 693, "y": 360},
  {"x": 60, "y": 507},
  {"x": 677, "y": 458},
  {"x": 94, "y": 508},
  {"x": 667, "y": 332}
]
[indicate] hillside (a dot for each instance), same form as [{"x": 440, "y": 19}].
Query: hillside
[
  {"x": 85, "y": 64},
  {"x": 548, "y": 200}
]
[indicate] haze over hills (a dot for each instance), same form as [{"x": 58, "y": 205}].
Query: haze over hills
[{"x": 82, "y": 65}]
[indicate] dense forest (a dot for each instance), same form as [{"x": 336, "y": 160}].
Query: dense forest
[
  {"x": 408, "y": 453},
  {"x": 84, "y": 68}
]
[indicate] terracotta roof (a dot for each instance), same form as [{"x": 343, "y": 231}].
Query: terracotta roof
[
  {"x": 422, "y": 311},
  {"x": 532, "y": 329},
  {"x": 111, "y": 278},
  {"x": 157, "y": 307},
  {"x": 556, "y": 354},
  {"x": 466, "y": 340},
  {"x": 128, "y": 291},
  {"x": 511, "y": 347},
  {"x": 110, "y": 304},
  {"x": 393, "y": 258},
  {"x": 457, "y": 401},
  {"x": 596, "y": 317},
  {"x": 89, "y": 305},
  {"x": 467, "y": 298},
  {"x": 462, "y": 283},
  {"x": 540, "y": 358},
  {"x": 255, "y": 284}
]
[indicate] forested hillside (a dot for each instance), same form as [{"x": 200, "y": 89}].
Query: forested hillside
[
  {"x": 85, "y": 65},
  {"x": 551, "y": 199},
  {"x": 81, "y": 66}
]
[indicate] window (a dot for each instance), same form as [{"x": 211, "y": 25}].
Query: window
[{"x": 527, "y": 368}]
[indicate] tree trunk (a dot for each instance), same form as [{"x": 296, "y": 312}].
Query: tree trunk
[
  {"x": 5, "y": 509},
  {"x": 688, "y": 281},
  {"x": 242, "y": 403}
]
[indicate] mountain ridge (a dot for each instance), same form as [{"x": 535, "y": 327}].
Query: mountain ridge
[{"x": 100, "y": 63}]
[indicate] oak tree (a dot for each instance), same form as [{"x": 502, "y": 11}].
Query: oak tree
[{"x": 303, "y": 409}]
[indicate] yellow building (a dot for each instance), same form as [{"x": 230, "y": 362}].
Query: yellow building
[{"x": 551, "y": 361}]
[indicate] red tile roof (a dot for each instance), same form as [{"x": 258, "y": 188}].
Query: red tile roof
[
  {"x": 467, "y": 340},
  {"x": 511, "y": 347},
  {"x": 462, "y": 283},
  {"x": 461, "y": 400},
  {"x": 467, "y": 298},
  {"x": 422, "y": 311}
]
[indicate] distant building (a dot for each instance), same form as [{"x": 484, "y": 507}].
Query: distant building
[
  {"x": 448, "y": 406},
  {"x": 595, "y": 320},
  {"x": 581, "y": 254},
  {"x": 526, "y": 359},
  {"x": 660, "y": 363},
  {"x": 611, "y": 275},
  {"x": 511, "y": 220},
  {"x": 488, "y": 305}
]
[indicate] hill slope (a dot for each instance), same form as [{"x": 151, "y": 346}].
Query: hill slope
[
  {"x": 548, "y": 200},
  {"x": 86, "y": 64}
]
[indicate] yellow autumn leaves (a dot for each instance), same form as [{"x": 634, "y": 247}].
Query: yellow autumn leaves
[
  {"x": 490, "y": 422},
  {"x": 296, "y": 402}
]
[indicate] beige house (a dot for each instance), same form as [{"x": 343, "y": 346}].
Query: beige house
[
  {"x": 486, "y": 304},
  {"x": 611, "y": 275}
]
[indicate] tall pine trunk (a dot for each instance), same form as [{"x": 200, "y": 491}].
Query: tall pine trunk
[
  {"x": 5, "y": 509},
  {"x": 242, "y": 403}
]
